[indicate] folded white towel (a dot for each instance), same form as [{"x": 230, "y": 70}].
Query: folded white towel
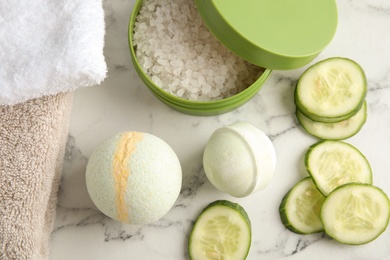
[{"x": 49, "y": 47}]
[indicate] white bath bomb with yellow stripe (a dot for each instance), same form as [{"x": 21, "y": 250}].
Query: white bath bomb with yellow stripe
[{"x": 134, "y": 177}]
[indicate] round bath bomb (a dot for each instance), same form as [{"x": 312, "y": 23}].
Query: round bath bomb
[
  {"x": 239, "y": 159},
  {"x": 134, "y": 177}
]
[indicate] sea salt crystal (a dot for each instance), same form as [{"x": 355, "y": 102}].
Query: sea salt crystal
[
  {"x": 180, "y": 92},
  {"x": 186, "y": 83},
  {"x": 188, "y": 64},
  {"x": 198, "y": 48},
  {"x": 194, "y": 83},
  {"x": 157, "y": 69},
  {"x": 150, "y": 7},
  {"x": 177, "y": 71},
  {"x": 171, "y": 30},
  {"x": 161, "y": 55},
  {"x": 230, "y": 85},
  {"x": 182, "y": 18},
  {"x": 166, "y": 48},
  {"x": 189, "y": 73},
  {"x": 206, "y": 89},
  {"x": 215, "y": 93},
  {"x": 201, "y": 61},
  {"x": 176, "y": 63},
  {"x": 159, "y": 19},
  {"x": 160, "y": 27},
  {"x": 204, "y": 35},
  {"x": 163, "y": 62},
  {"x": 219, "y": 80},
  {"x": 198, "y": 21},
  {"x": 223, "y": 69},
  {"x": 147, "y": 63},
  {"x": 153, "y": 23},
  {"x": 156, "y": 80},
  {"x": 185, "y": 9},
  {"x": 193, "y": 96},
  {"x": 176, "y": 82},
  {"x": 143, "y": 26}
]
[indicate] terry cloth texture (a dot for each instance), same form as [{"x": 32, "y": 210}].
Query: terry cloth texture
[
  {"x": 49, "y": 47},
  {"x": 32, "y": 143}
]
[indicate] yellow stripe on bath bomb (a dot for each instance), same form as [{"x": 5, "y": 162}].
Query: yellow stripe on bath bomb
[
  {"x": 134, "y": 177},
  {"x": 125, "y": 148}
]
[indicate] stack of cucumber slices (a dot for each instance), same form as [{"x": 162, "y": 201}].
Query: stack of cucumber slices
[
  {"x": 338, "y": 197},
  {"x": 330, "y": 99}
]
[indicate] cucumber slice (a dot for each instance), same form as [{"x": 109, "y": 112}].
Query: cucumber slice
[
  {"x": 355, "y": 213},
  {"x": 300, "y": 208},
  {"x": 331, "y": 90},
  {"x": 334, "y": 131},
  {"x": 334, "y": 163},
  {"x": 222, "y": 231}
]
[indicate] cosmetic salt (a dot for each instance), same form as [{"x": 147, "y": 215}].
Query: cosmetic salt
[{"x": 180, "y": 55}]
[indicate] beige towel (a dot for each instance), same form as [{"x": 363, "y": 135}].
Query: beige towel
[{"x": 32, "y": 142}]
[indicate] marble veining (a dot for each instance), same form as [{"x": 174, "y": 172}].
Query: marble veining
[{"x": 123, "y": 103}]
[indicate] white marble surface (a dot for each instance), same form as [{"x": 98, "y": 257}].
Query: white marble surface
[{"x": 123, "y": 103}]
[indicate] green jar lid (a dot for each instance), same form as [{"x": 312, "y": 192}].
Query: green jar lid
[{"x": 275, "y": 34}]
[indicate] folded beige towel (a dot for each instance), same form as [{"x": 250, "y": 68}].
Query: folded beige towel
[{"x": 32, "y": 142}]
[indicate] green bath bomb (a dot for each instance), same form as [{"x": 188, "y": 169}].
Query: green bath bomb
[{"x": 134, "y": 177}]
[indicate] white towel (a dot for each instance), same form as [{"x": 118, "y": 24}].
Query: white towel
[{"x": 49, "y": 47}]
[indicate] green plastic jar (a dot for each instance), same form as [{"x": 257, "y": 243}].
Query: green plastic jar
[{"x": 230, "y": 23}]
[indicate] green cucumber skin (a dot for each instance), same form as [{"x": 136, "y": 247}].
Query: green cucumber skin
[
  {"x": 229, "y": 204},
  {"x": 328, "y": 138},
  {"x": 306, "y": 160},
  {"x": 318, "y": 118},
  {"x": 313, "y": 146},
  {"x": 283, "y": 216},
  {"x": 357, "y": 184}
]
